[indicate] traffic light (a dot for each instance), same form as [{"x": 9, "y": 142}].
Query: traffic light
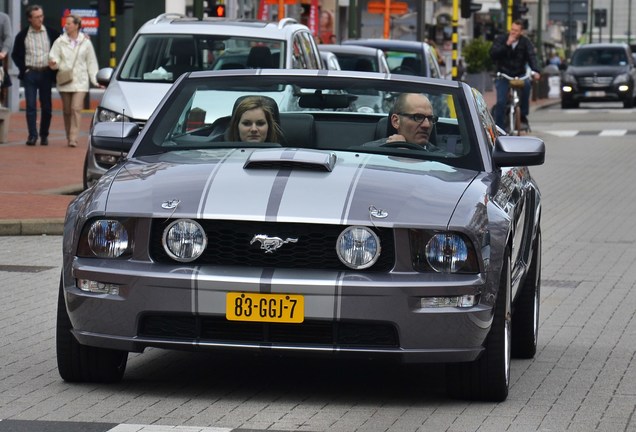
[
  {"x": 519, "y": 10},
  {"x": 216, "y": 9},
  {"x": 468, "y": 8}
]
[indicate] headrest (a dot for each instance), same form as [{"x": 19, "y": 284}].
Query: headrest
[
  {"x": 182, "y": 47},
  {"x": 260, "y": 56},
  {"x": 411, "y": 63},
  {"x": 363, "y": 65}
]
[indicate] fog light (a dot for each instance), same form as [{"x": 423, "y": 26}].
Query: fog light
[
  {"x": 97, "y": 287},
  {"x": 566, "y": 89},
  {"x": 623, "y": 88},
  {"x": 464, "y": 301}
]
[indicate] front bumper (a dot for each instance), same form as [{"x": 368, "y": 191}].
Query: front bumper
[{"x": 345, "y": 314}]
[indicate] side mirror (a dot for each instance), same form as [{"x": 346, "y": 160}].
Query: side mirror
[
  {"x": 114, "y": 136},
  {"x": 104, "y": 75},
  {"x": 518, "y": 151}
]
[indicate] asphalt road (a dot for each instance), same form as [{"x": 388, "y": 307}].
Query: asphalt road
[{"x": 582, "y": 379}]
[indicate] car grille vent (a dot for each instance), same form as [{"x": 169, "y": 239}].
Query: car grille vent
[
  {"x": 229, "y": 244},
  {"x": 309, "y": 333},
  {"x": 596, "y": 81}
]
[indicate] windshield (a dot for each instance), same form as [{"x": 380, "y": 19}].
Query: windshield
[
  {"x": 160, "y": 57},
  {"x": 344, "y": 114},
  {"x": 599, "y": 56}
]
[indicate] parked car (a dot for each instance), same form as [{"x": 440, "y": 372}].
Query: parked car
[
  {"x": 599, "y": 72},
  {"x": 405, "y": 57},
  {"x": 171, "y": 44},
  {"x": 358, "y": 58},
  {"x": 362, "y": 59},
  {"x": 318, "y": 245}
]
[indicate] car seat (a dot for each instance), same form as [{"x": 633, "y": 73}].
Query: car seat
[
  {"x": 363, "y": 65},
  {"x": 183, "y": 57},
  {"x": 260, "y": 56}
]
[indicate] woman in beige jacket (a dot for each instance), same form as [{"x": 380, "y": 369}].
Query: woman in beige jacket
[{"x": 74, "y": 50}]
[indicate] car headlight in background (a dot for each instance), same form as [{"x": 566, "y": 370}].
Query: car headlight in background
[
  {"x": 446, "y": 252},
  {"x": 184, "y": 240},
  {"x": 106, "y": 115},
  {"x": 358, "y": 247}
]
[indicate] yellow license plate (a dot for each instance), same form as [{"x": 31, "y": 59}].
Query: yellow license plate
[{"x": 284, "y": 308}]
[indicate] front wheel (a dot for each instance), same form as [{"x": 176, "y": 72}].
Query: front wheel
[
  {"x": 488, "y": 377},
  {"x": 80, "y": 363}
]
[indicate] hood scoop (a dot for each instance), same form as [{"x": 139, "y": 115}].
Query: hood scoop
[{"x": 312, "y": 160}]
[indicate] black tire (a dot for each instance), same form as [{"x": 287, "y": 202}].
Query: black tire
[
  {"x": 80, "y": 363},
  {"x": 525, "y": 319},
  {"x": 488, "y": 377},
  {"x": 628, "y": 103},
  {"x": 568, "y": 104}
]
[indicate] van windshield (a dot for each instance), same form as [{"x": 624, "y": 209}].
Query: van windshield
[{"x": 160, "y": 57}]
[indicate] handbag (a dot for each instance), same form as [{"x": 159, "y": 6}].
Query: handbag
[{"x": 65, "y": 76}]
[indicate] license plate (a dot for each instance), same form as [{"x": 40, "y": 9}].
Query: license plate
[
  {"x": 283, "y": 308},
  {"x": 596, "y": 93}
]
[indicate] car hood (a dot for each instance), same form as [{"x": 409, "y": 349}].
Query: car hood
[
  {"x": 596, "y": 70},
  {"x": 288, "y": 185},
  {"x": 136, "y": 100}
]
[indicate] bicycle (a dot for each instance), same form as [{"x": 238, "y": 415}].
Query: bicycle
[{"x": 513, "y": 107}]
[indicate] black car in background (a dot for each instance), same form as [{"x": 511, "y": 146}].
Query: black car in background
[{"x": 599, "y": 72}]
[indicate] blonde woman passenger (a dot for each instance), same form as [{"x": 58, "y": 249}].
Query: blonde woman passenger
[{"x": 74, "y": 50}]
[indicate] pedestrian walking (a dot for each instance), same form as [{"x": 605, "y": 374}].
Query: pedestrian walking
[
  {"x": 73, "y": 56},
  {"x": 31, "y": 56},
  {"x": 6, "y": 43}
]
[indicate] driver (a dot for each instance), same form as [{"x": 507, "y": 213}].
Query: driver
[{"x": 413, "y": 119}]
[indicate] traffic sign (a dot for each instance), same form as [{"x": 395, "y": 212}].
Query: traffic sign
[{"x": 395, "y": 7}]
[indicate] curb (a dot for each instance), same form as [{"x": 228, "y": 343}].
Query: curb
[{"x": 16, "y": 227}]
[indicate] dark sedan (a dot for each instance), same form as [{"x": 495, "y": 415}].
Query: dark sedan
[{"x": 599, "y": 72}]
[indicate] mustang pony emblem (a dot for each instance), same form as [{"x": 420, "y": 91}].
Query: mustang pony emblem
[{"x": 270, "y": 244}]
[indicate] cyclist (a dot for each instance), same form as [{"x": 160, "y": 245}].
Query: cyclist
[{"x": 511, "y": 53}]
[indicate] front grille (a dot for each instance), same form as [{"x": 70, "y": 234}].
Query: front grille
[
  {"x": 190, "y": 328},
  {"x": 598, "y": 81},
  {"x": 229, "y": 244}
]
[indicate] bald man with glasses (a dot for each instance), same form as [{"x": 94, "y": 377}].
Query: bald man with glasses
[{"x": 413, "y": 119}]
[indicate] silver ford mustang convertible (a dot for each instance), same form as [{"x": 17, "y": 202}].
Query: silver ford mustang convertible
[{"x": 331, "y": 241}]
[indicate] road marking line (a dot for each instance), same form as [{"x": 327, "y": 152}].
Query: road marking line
[{"x": 613, "y": 132}]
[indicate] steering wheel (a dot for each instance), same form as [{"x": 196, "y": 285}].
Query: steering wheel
[{"x": 402, "y": 144}]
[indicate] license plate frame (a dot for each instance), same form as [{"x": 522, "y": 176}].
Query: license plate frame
[
  {"x": 265, "y": 307},
  {"x": 595, "y": 93}
]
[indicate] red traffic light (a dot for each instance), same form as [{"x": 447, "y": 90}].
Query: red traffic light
[{"x": 217, "y": 10}]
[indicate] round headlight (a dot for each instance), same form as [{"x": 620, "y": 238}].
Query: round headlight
[
  {"x": 184, "y": 240},
  {"x": 447, "y": 253},
  {"x": 108, "y": 238},
  {"x": 358, "y": 247}
]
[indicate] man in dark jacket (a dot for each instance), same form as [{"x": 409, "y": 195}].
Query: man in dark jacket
[
  {"x": 31, "y": 56},
  {"x": 511, "y": 53}
]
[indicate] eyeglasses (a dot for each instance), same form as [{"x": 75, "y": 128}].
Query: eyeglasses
[{"x": 419, "y": 118}]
